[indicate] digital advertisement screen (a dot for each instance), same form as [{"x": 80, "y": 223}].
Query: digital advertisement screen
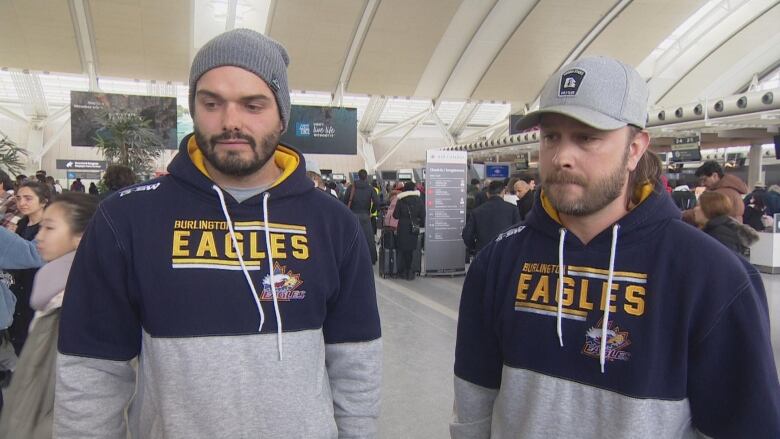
[
  {"x": 496, "y": 171},
  {"x": 86, "y": 106},
  {"x": 322, "y": 130}
]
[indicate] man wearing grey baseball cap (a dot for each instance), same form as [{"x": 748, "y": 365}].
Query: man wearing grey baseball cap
[
  {"x": 604, "y": 315},
  {"x": 249, "y": 316}
]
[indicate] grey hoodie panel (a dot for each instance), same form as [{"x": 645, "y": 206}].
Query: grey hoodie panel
[
  {"x": 355, "y": 371},
  {"x": 531, "y": 405},
  {"x": 239, "y": 389}
]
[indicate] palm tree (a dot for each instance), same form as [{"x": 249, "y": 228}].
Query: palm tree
[
  {"x": 128, "y": 139},
  {"x": 11, "y": 156}
]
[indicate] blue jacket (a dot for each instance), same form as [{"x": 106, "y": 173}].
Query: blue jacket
[
  {"x": 687, "y": 344},
  {"x": 158, "y": 276},
  {"x": 15, "y": 253}
]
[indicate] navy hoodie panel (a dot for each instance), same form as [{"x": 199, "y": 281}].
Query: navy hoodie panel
[
  {"x": 182, "y": 283},
  {"x": 672, "y": 283}
]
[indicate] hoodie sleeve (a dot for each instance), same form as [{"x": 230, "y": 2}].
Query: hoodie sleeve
[
  {"x": 353, "y": 347},
  {"x": 478, "y": 359},
  {"x": 99, "y": 333},
  {"x": 733, "y": 385},
  {"x": 17, "y": 252}
]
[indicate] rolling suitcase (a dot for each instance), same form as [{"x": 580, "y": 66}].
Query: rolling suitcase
[{"x": 388, "y": 263}]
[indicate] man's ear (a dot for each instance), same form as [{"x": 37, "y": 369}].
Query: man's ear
[{"x": 637, "y": 148}]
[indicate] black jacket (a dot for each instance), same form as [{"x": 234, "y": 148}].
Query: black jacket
[
  {"x": 525, "y": 204},
  {"x": 364, "y": 196},
  {"x": 737, "y": 237},
  {"x": 408, "y": 208},
  {"x": 487, "y": 221}
]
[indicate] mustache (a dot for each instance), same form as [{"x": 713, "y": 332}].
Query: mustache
[
  {"x": 232, "y": 135},
  {"x": 564, "y": 178}
]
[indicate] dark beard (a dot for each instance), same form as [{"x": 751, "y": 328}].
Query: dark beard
[
  {"x": 597, "y": 195},
  {"x": 231, "y": 163}
]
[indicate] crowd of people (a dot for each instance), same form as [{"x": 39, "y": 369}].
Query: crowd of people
[{"x": 588, "y": 293}]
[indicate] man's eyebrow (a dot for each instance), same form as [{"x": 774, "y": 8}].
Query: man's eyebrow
[
  {"x": 208, "y": 94},
  {"x": 263, "y": 98}
]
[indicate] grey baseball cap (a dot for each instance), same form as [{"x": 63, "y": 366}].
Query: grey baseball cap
[{"x": 600, "y": 92}]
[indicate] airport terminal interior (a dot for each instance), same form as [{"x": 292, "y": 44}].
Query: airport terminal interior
[{"x": 408, "y": 90}]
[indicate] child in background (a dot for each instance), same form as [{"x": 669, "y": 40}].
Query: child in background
[{"x": 28, "y": 411}]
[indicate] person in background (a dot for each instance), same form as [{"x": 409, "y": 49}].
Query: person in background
[
  {"x": 93, "y": 189},
  {"x": 8, "y": 210},
  {"x": 711, "y": 176},
  {"x": 31, "y": 199},
  {"x": 15, "y": 253},
  {"x": 21, "y": 178},
  {"x": 525, "y": 200},
  {"x": 361, "y": 198},
  {"x": 40, "y": 176},
  {"x": 510, "y": 196},
  {"x": 604, "y": 315},
  {"x": 410, "y": 213},
  {"x": 491, "y": 218},
  {"x": 713, "y": 216},
  {"x": 683, "y": 198},
  {"x": 30, "y": 397},
  {"x": 54, "y": 184},
  {"x": 117, "y": 177},
  {"x": 77, "y": 186}
]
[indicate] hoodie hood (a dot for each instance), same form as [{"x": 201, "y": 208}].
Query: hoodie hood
[
  {"x": 188, "y": 167},
  {"x": 655, "y": 208},
  {"x": 732, "y": 182}
]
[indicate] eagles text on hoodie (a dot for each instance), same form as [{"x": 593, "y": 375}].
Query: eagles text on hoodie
[{"x": 252, "y": 319}]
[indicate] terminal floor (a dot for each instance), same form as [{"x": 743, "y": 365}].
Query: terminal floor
[{"x": 418, "y": 326}]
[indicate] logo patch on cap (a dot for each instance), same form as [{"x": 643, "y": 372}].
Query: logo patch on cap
[
  {"x": 275, "y": 84},
  {"x": 570, "y": 82}
]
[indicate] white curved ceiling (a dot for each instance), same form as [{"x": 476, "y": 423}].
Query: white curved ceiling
[{"x": 449, "y": 51}]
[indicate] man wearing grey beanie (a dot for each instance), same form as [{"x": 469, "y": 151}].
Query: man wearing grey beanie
[{"x": 248, "y": 315}]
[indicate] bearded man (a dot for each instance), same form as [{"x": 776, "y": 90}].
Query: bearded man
[
  {"x": 605, "y": 315},
  {"x": 248, "y": 314}
]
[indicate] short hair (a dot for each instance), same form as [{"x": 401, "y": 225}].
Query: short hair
[
  {"x": 714, "y": 204},
  {"x": 118, "y": 176},
  {"x": 79, "y": 208},
  {"x": 495, "y": 187},
  {"x": 708, "y": 168},
  {"x": 41, "y": 190},
  {"x": 362, "y": 174},
  {"x": 409, "y": 186},
  {"x": 528, "y": 178},
  {"x": 475, "y": 181}
]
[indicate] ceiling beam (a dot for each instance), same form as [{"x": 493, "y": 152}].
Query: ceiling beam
[
  {"x": 354, "y": 49},
  {"x": 31, "y": 95},
  {"x": 85, "y": 40},
  {"x": 374, "y": 109},
  {"x": 397, "y": 145},
  {"x": 408, "y": 121},
  {"x": 463, "y": 117},
  {"x": 13, "y": 115},
  {"x": 586, "y": 41},
  {"x": 714, "y": 49}
]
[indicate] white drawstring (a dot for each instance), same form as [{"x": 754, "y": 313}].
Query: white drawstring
[
  {"x": 605, "y": 320},
  {"x": 271, "y": 274},
  {"x": 246, "y": 272},
  {"x": 559, "y": 292},
  {"x": 240, "y": 257}
]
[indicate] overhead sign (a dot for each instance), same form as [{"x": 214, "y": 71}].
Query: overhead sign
[
  {"x": 86, "y": 106},
  {"x": 87, "y": 175},
  {"x": 496, "y": 171},
  {"x": 686, "y": 149},
  {"x": 445, "y": 212},
  {"x": 322, "y": 130},
  {"x": 79, "y": 165}
]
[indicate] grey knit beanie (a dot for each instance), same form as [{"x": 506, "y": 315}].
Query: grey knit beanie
[{"x": 250, "y": 51}]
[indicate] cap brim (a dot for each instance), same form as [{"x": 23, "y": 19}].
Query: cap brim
[{"x": 584, "y": 115}]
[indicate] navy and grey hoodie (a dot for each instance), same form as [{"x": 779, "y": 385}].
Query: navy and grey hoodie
[
  {"x": 686, "y": 346},
  {"x": 177, "y": 273}
]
